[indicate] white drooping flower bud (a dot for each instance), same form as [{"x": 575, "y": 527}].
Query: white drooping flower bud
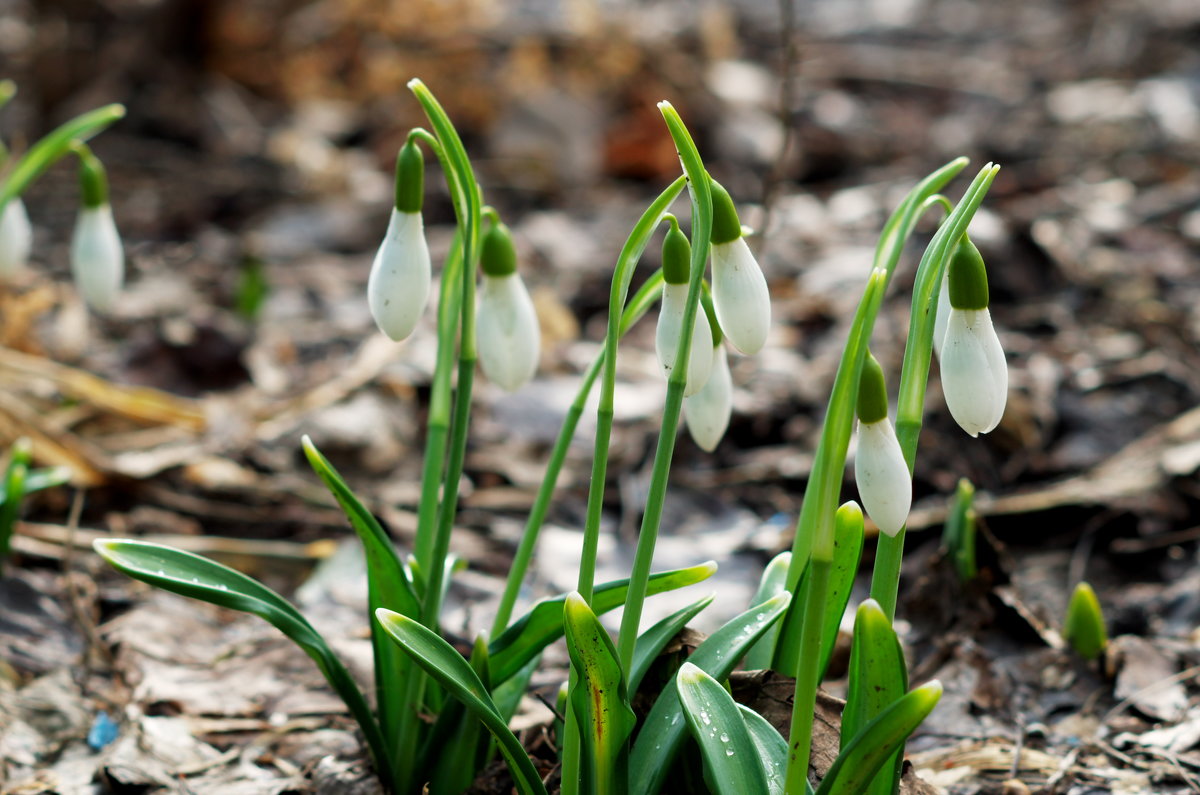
[
  {"x": 740, "y": 295},
  {"x": 676, "y": 256},
  {"x": 880, "y": 471},
  {"x": 942, "y": 317},
  {"x": 507, "y": 332},
  {"x": 707, "y": 412},
  {"x": 97, "y": 258},
  {"x": 974, "y": 372},
  {"x": 16, "y": 238},
  {"x": 398, "y": 287}
]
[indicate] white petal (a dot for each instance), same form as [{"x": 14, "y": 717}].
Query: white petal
[
  {"x": 398, "y": 288},
  {"x": 507, "y": 332},
  {"x": 942, "y": 316},
  {"x": 974, "y": 374},
  {"x": 740, "y": 296},
  {"x": 97, "y": 259},
  {"x": 666, "y": 338},
  {"x": 707, "y": 412},
  {"x": 16, "y": 238},
  {"x": 882, "y": 476}
]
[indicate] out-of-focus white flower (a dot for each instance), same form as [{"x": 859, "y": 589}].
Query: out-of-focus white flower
[
  {"x": 707, "y": 412},
  {"x": 97, "y": 259},
  {"x": 398, "y": 287},
  {"x": 508, "y": 337},
  {"x": 666, "y": 338},
  {"x": 740, "y": 296},
  {"x": 16, "y": 238},
  {"x": 882, "y": 476},
  {"x": 974, "y": 373}
]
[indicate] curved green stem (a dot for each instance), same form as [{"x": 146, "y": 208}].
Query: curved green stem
[
  {"x": 646, "y": 296},
  {"x": 914, "y": 375},
  {"x": 701, "y": 192},
  {"x": 53, "y": 146}
]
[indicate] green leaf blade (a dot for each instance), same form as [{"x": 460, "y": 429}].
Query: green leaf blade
[
  {"x": 878, "y": 678},
  {"x": 663, "y": 730},
  {"x": 442, "y": 663},
  {"x": 771, "y": 747},
  {"x": 651, "y": 642},
  {"x": 717, "y": 725}
]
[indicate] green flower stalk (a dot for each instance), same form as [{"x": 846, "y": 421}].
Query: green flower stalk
[
  {"x": 97, "y": 258},
  {"x": 401, "y": 274},
  {"x": 884, "y": 483},
  {"x": 16, "y": 239},
  {"x": 740, "y": 295},
  {"x": 974, "y": 373},
  {"x": 509, "y": 339},
  {"x": 677, "y": 254}
]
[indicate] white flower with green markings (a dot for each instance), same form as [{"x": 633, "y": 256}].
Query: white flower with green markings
[
  {"x": 880, "y": 471},
  {"x": 974, "y": 372},
  {"x": 508, "y": 336},
  {"x": 399, "y": 284},
  {"x": 676, "y": 255},
  {"x": 707, "y": 412},
  {"x": 740, "y": 295},
  {"x": 97, "y": 258}
]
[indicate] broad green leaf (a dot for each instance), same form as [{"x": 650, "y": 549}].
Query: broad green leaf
[
  {"x": 774, "y": 580},
  {"x": 878, "y": 678},
  {"x": 662, "y": 732},
  {"x": 651, "y": 642},
  {"x": 442, "y": 663},
  {"x": 1084, "y": 628},
  {"x": 542, "y": 625},
  {"x": 388, "y": 586},
  {"x": 456, "y": 750},
  {"x": 771, "y": 747},
  {"x": 604, "y": 718},
  {"x": 198, "y": 577},
  {"x": 730, "y": 753},
  {"x": 854, "y": 768}
]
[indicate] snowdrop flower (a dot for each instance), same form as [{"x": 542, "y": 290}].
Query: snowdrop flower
[
  {"x": 398, "y": 287},
  {"x": 97, "y": 259},
  {"x": 707, "y": 412},
  {"x": 740, "y": 296},
  {"x": 943, "y": 315},
  {"x": 880, "y": 471},
  {"x": 16, "y": 238},
  {"x": 676, "y": 256},
  {"x": 974, "y": 373},
  {"x": 507, "y": 332}
]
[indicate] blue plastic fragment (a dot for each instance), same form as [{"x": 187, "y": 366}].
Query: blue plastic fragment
[{"x": 103, "y": 731}]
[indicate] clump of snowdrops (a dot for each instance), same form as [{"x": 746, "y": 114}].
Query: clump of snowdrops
[
  {"x": 97, "y": 258},
  {"x": 484, "y": 313}
]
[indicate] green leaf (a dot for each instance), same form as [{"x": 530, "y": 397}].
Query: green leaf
[
  {"x": 601, "y": 706},
  {"x": 651, "y": 642},
  {"x": 441, "y": 662},
  {"x": 15, "y": 488},
  {"x": 200, "y": 578},
  {"x": 878, "y": 678},
  {"x": 662, "y": 732},
  {"x": 771, "y": 747},
  {"x": 958, "y": 535},
  {"x": 542, "y": 625},
  {"x": 1084, "y": 627},
  {"x": 729, "y": 751},
  {"x": 388, "y": 585},
  {"x": 854, "y": 768},
  {"x": 457, "y": 744},
  {"x": 847, "y": 552},
  {"x": 774, "y": 580}
]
